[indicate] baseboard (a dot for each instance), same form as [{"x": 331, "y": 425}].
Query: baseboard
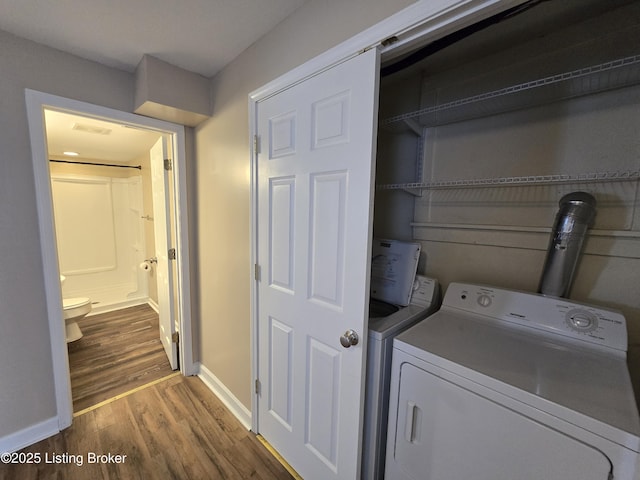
[
  {"x": 154, "y": 305},
  {"x": 241, "y": 412},
  {"x": 28, "y": 436},
  {"x": 97, "y": 309}
]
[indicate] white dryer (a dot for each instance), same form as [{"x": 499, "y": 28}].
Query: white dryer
[
  {"x": 398, "y": 300},
  {"x": 503, "y": 385}
]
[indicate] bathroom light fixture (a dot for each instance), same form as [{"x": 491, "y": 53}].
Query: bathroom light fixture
[{"x": 71, "y": 154}]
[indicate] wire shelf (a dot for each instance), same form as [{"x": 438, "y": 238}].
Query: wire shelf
[
  {"x": 584, "y": 81},
  {"x": 595, "y": 177}
]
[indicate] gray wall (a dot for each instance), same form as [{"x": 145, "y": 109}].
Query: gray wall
[
  {"x": 219, "y": 197},
  {"x": 223, "y": 175},
  {"x": 26, "y": 377}
]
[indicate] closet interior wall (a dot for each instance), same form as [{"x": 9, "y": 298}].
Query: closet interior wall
[{"x": 575, "y": 128}]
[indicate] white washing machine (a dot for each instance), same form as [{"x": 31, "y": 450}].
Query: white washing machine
[
  {"x": 503, "y": 385},
  {"x": 398, "y": 299}
]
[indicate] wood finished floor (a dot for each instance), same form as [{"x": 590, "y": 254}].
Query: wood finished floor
[
  {"x": 119, "y": 351},
  {"x": 174, "y": 429}
]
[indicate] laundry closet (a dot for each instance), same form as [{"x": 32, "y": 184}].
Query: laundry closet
[
  {"x": 479, "y": 135},
  {"x": 479, "y": 139}
]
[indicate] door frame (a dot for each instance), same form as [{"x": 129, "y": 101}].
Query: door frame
[
  {"x": 419, "y": 23},
  {"x": 36, "y": 103}
]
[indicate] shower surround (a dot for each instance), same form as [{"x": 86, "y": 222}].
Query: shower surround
[{"x": 101, "y": 239}]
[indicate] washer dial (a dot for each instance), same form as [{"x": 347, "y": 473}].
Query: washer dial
[
  {"x": 484, "y": 300},
  {"x": 581, "y": 320}
]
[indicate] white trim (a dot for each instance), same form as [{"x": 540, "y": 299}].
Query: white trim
[
  {"x": 96, "y": 309},
  {"x": 36, "y": 102},
  {"x": 425, "y": 19},
  {"x": 134, "y": 302},
  {"x": 28, "y": 436},
  {"x": 420, "y": 21},
  {"x": 253, "y": 231},
  {"x": 53, "y": 290},
  {"x": 187, "y": 366},
  {"x": 154, "y": 305},
  {"x": 229, "y": 400}
]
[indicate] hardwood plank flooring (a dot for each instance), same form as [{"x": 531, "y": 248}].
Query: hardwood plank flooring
[
  {"x": 118, "y": 352},
  {"x": 173, "y": 429}
]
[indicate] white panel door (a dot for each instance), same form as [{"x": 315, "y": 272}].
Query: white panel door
[
  {"x": 162, "y": 233},
  {"x": 315, "y": 164}
]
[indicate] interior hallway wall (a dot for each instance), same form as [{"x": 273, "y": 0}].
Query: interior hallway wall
[
  {"x": 223, "y": 176},
  {"x": 26, "y": 378}
]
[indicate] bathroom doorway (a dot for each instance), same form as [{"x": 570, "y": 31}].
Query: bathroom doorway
[
  {"x": 103, "y": 209},
  {"x": 39, "y": 105},
  {"x": 109, "y": 200}
]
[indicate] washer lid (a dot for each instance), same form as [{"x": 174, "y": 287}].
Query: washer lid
[
  {"x": 554, "y": 375},
  {"x": 384, "y": 327},
  {"x": 386, "y": 319}
]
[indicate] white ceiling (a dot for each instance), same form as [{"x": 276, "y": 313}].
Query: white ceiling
[
  {"x": 201, "y": 36},
  {"x": 95, "y": 140}
]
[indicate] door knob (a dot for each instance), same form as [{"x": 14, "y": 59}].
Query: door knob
[{"x": 349, "y": 338}]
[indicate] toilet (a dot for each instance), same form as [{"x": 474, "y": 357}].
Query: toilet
[{"x": 74, "y": 309}]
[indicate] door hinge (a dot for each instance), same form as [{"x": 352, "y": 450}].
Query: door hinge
[
  {"x": 168, "y": 164},
  {"x": 257, "y": 386},
  {"x": 256, "y": 144},
  {"x": 172, "y": 253},
  {"x": 256, "y": 272},
  {"x": 175, "y": 337}
]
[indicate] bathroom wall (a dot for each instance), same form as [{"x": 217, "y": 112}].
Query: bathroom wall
[{"x": 100, "y": 234}]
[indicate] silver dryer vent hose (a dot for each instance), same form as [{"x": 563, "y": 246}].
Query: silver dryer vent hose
[{"x": 575, "y": 216}]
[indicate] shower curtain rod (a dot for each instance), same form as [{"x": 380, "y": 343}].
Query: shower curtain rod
[{"x": 139, "y": 167}]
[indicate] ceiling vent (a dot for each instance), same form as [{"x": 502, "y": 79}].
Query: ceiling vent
[{"x": 91, "y": 129}]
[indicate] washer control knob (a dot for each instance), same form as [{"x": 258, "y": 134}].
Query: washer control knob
[
  {"x": 581, "y": 320},
  {"x": 484, "y": 300}
]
